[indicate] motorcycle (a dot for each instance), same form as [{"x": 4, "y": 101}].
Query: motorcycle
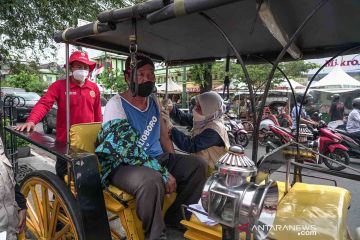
[
  {"x": 322, "y": 140},
  {"x": 267, "y": 119},
  {"x": 339, "y": 127},
  {"x": 236, "y": 131},
  {"x": 350, "y": 142}
]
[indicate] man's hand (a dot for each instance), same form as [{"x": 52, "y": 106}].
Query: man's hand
[
  {"x": 170, "y": 186},
  {"x": 165, "y": 118},
  {"x": 167, "y": 104},
  {"x": 22, "y": 220},
  {"x": 29, "y": 126}
]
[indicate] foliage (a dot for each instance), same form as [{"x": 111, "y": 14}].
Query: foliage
[
  {"x": 31, "y": 82},
  {"x": 202, "y": 75},
  {"x": 114, "y": 80},
  {"x": 258, "y": 73},
  {"x": 28, "y": 25}
]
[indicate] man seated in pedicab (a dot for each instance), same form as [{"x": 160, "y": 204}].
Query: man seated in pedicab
[
  {"x": 304, "y": 117},
  {"x": 137, "y": 156},
  {"x": 85, "y": 104},
  {"x": 353, "y": 120},
  {"x": 12, "y": 202},
  {"x": 209, "y": 138}
]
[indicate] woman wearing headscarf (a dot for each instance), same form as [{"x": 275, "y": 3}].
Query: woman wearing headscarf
[{"x": 208, "y": 137}]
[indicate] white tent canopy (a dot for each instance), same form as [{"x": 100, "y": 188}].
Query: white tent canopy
[
  {"x": 234, "y": 86},
  {"x": 336, "y": 80},
  {"x": 173, "y": 87},
  {"x": 284, "y": 85}
]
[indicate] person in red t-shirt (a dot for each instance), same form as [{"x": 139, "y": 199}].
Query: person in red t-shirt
[{"x": 85, "y": 104}]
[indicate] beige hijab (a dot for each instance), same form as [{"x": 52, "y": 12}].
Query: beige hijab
[{"x": 213, "y": 108}]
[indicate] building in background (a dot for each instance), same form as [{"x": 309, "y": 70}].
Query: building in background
[
  {"x": 110, "y": 61},
  {"x": 349, "y": 63},
  {"x": 50, "y": 72}
]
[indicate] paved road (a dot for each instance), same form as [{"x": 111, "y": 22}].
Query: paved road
[{"x": 352, "y": 186}]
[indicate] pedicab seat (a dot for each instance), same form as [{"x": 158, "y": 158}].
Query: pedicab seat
[
  {"x": 322, "y": 209},
  {"x": 83, "y": 137}
]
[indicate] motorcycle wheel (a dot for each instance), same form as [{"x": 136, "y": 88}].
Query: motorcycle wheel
[
  {"x": 242, "y": 139},
  {"x": 338, "y": 155}
]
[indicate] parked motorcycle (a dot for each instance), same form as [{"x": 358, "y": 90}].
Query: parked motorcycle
[
  {"x": 350, "y": 142},
  {"x": 323, "y": 140},
  {"x": 353, "y": 144},
  {"x": 236, "y": 131}
]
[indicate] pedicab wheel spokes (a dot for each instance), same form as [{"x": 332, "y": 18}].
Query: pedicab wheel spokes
[
  {"x": 52, "y": 211},
  {"x": 339, "y": 156}
]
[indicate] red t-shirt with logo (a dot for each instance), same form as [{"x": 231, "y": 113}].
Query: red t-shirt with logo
[{"x": 85, "y": 105}]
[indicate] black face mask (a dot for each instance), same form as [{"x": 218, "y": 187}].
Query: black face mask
[{"x": 145, "y": 89}]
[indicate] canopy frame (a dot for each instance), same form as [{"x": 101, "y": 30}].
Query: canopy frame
[{"x": 163, "y": 11}]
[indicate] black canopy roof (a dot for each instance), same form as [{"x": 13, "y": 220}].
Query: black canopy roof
[{"x": 190, "y": 37}]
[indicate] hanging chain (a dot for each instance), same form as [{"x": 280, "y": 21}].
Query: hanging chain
[{"x": 133, "y": 48}]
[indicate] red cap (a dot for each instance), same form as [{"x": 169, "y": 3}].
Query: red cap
[{"x": 82, "y": 57}]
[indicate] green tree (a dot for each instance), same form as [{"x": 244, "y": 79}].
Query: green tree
[
  {"x": 259, "y": 72},
  {"x": 30, "y": 25},
  {"x": 202, "y": 75},
  {"x": 29, "y": 81},
  {"x": 114, "y": 81}
]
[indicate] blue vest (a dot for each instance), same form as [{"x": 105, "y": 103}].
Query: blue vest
[{"x": 147, "y": 125}]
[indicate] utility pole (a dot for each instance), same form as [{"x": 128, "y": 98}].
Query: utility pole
[{"x": 183, "y": 96}]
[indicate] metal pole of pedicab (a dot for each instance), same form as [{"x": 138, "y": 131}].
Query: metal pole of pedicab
[
  {"x": 315, "y": 75},
  {"x": 287, "y": 182},
  {"x": 247, "y": 78},
  {"x": 1, "y": 104},
  {"x": 297, "y": 169},
  {"x": 166, "y": 79},
  {"x": 276, "y": 63},
  {"x": 227, "y": 79},
  {"x": 183, "y": 96},
  {"x": 67, "y": 109},
  {"x": 67, "y": 95}
]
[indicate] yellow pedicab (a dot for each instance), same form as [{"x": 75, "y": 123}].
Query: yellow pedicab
[{"x": 240, "y": 195}]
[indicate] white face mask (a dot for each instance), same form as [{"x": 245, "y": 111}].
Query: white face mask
[
  {"x": 80, "y": 75},
  {"x": 197, "y": 117}
]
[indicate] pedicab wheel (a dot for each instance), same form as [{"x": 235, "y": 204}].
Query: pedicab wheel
[
  {"x": 338, "y": 155},
  {"x": 242, "y": 139},
  {"x": 52, "y": 210}
]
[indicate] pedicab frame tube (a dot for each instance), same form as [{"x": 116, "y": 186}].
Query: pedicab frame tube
[
  {"x": 67, "y": 93},
  {"x": 272, "y": 72},
  {"x": 257, "y": 119},
  {"x": 87, "y": 171},
  {"x": 312, "y": 79},
  {"x": 167, "y": 81}
]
